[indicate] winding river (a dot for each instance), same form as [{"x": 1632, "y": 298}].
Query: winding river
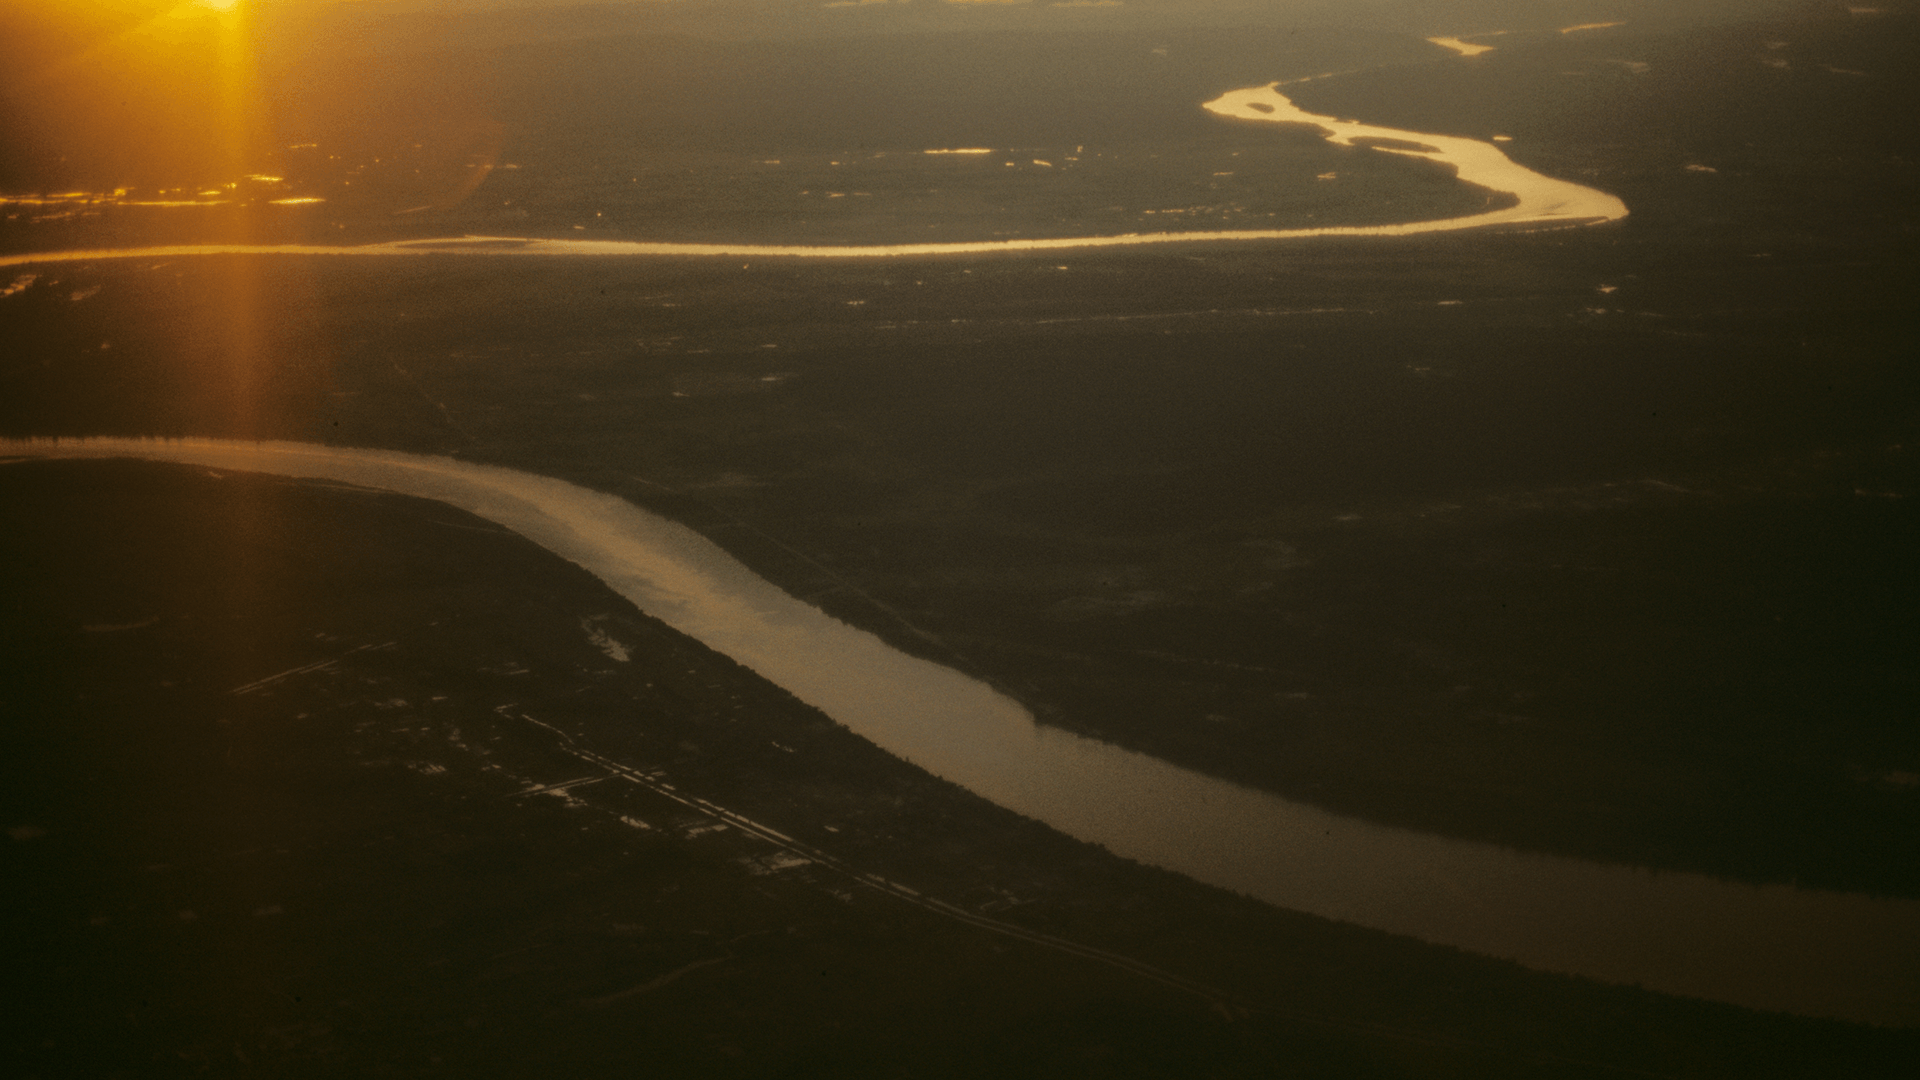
[
  {"x": 1544, "y": 202},
  {"x": 1767, "y": 947}
]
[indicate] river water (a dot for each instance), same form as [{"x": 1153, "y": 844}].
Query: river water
[
  {"x": 1544, "y": 202},
  {"x": 1768, "y": 947}
]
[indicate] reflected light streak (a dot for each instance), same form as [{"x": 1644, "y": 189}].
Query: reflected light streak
[
  {"x": 1464, "y": 48},
  {"x": 1543, "y": 202},
  {"x": 221, "y": 195},
  {"x": 237, "y": 90},
  {"x": 238, "y": 286},
  {"x": 121, "y": 197}
]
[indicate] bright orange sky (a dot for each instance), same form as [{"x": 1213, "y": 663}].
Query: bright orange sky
[{"x": 122, "y": 91}]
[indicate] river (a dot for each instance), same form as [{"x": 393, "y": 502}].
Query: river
[
  {"x": 1544, "y": 202},
  {"x": 1773, "y": 947}
]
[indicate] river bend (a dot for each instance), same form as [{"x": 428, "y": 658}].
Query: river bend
[
  {"x": 1543, "y": 202},
  {"x": 1770, "y": 947}
]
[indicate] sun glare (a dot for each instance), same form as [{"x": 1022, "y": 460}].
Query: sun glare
[{"x": 217, "y": 5}]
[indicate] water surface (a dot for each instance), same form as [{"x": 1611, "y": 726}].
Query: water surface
[{"x": 1543, "y": 202}]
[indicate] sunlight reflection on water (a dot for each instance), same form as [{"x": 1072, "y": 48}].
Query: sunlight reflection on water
[
  {"x": 1543, "y": 202},
  {"x": 1464, "y": 48}
]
